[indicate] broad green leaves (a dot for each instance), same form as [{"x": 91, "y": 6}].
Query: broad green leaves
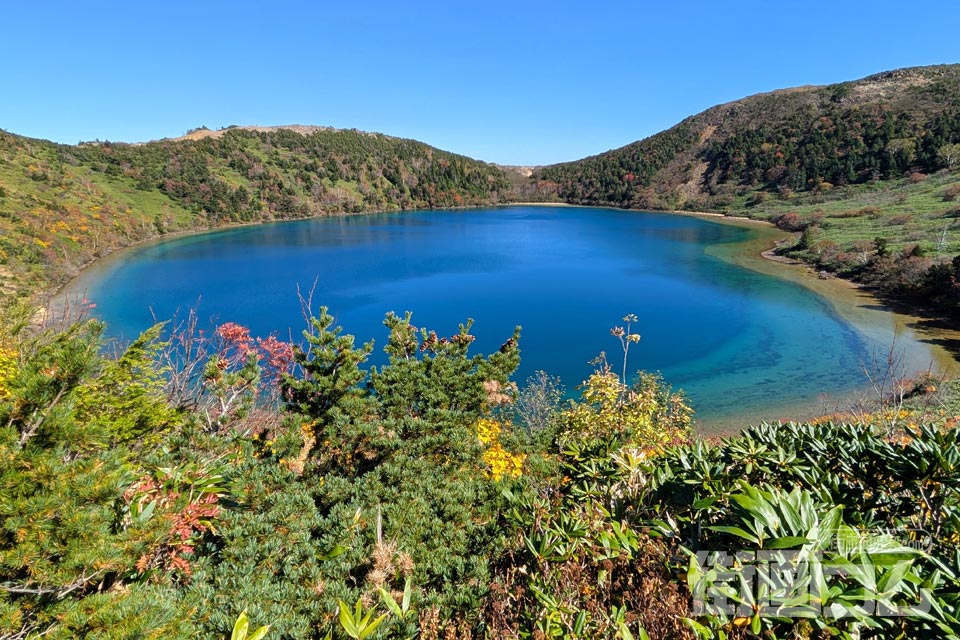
[{"x": 241, "y": 629}]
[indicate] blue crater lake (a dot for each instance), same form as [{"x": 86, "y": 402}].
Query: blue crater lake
[{"x": 744, "y": 345}]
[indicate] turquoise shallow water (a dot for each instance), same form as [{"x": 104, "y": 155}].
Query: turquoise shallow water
[{"x": 740, "y": 343}]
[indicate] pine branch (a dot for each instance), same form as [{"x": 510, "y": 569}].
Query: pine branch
[
  {"x": 24, "y": 632},
  {"x": 59, "y": 593},
  {"x": 37, "y": 420}
]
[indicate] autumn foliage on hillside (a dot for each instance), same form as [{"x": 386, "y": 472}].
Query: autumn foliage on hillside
[{"x": 63, "y": 206}]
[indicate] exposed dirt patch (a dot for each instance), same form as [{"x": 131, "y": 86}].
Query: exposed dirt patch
[
  {"x": 692, "y": 187},
  {"x": 707, "y": 133},
  {"x": 885, "y": 86},
  {"x": 203, "y": 132},
  {"x": 525, "y": 172},
  {"x": 7, "y": 281}
]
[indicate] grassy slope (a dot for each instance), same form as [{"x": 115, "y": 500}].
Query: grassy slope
[
  {"x": 906, "y": 212},
  {"x": 56, "y": 216}
]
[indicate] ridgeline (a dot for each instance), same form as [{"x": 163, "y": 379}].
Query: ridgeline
[{"x": 806, "y": 139}]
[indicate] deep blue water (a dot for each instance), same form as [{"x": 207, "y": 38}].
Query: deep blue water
[{"x": 739, "y": 343}]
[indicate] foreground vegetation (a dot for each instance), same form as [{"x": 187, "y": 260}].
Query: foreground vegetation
[{"x": 165, "y": 491}]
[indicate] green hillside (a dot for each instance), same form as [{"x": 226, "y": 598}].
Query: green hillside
[
  {"x": 63, "y": 206},
  {"x": 781, "y": 143}
]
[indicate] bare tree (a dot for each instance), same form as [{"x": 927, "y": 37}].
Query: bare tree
[
  {"x": 888, "y": 387},
  {"x": 539, "y": 402}
]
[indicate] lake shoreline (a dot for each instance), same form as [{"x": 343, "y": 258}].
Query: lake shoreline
[
  {"x": 56, "y": 293},
  {"x": 833, "y": 287},
  {"x": 789, "y": 265},
  {"x": 854, "y": 302},
  {"x": 851, "y": 301},
  {"x": 56, "y": 290},
  {"x": 785, "y": 266}
]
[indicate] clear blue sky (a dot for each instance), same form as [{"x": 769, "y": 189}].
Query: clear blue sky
[{"x": 513, "y": 82}]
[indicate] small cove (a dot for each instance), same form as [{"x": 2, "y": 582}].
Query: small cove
[{"x": 747, "y": 341}]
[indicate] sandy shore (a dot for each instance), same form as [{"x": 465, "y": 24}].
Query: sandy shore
[
  {"x": 920, "y": 345},
  {"x": 879, "y": 321},
  {"x": 718, "y": 217}
]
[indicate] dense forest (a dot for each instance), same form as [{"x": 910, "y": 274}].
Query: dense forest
[
  {"x": 63, "y": 206},
  {"x": 618, "y": 178},
  {"x": 245, "y": 174}
]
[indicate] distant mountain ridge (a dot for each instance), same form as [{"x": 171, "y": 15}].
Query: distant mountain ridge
[{"x": 784, "y": 141}]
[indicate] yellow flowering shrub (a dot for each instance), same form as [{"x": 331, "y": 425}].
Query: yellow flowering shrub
[
  {"x": 501, "y": 462},
  {"x": 8, "y": 368},
  {"x": 648, "y": 413}
]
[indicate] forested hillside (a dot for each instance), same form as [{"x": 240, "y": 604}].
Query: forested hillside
[
  {"x": 865, "y": 173},
  {"x": 784, "y": 142},
  {"x": 63, "y": 206}
]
